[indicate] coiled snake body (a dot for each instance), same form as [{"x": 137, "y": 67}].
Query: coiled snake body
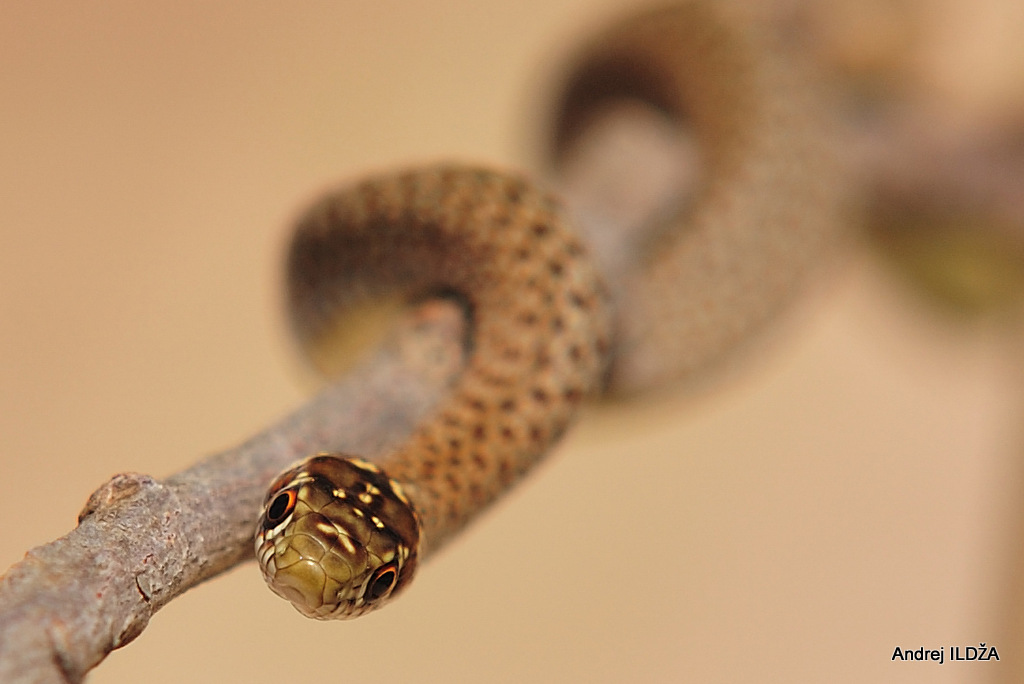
[
  {"x": 539, "y": 337},
  {"x": 339, "y": 536}
]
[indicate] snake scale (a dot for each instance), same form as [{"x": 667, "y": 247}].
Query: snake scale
[{"x": 338, "y": 535}]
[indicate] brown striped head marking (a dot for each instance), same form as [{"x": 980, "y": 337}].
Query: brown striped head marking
[{"x": 336, "y": 537}]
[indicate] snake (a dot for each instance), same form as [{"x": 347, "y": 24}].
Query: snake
[{"x": 340, "y": 535}]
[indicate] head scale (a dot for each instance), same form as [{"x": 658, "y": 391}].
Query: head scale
[{"x": 337, "y": 537}]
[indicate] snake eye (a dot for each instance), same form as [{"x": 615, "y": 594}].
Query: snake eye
[
  {"x": 382, "y": 582},
  {"x": 280, "y": 507}
]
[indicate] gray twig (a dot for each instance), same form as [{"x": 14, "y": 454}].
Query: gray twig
[{"x": 141, "y": 542}]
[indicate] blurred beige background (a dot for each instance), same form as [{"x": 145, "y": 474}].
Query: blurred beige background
[{"x": 852, "y": 493}]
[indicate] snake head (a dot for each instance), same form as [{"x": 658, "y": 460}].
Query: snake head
[{"x": 336, "y": 537}]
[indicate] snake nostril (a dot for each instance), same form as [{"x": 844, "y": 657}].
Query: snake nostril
[
  {"x": 382, "y": 582},
  {"x": 280, "y": 507}
]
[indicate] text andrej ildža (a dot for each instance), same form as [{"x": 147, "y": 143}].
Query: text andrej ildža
[{"x": 981, "y": 652}]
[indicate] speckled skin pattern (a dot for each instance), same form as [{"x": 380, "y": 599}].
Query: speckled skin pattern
[
  {"x": 538, "y": 344},
  {"x": 543, "y": 331}
]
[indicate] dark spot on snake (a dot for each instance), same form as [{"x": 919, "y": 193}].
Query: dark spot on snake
[
  {"x": 573, "y": 395},
  {"x": 514, "y": 193},
  {"x": 453, "y": 482},
  {"x": 578, "y": 300},
  {"x": 382, "y": 582},
  {"x": 508, "y": 434},
  {"x": 479, "y": 461},
  {"x": 536, "y": 433},
  {"x": 540, "y": 230},
  {"x": 558, "y": 324},
  {"x": 556, "y": 268},
  {"x": 455, "y": 443},
  {"x": 508, "y": 405},
  {"x": 575, "y": 352},
  {"x": 528, "y": 318},
  {"x": 539, "y": 395},
  {"x": 523, "y": 253},
  {"x": 479, "y": 433}
]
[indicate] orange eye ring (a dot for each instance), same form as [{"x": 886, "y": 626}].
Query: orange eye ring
[
  {"x": 382, "y": 582},
  {"x": 281, "y": 506}
]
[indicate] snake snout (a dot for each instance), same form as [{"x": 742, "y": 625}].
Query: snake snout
[{"x": 302, "y": 583}]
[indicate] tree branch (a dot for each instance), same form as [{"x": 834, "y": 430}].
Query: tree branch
[{"x": 141, "y": 542}]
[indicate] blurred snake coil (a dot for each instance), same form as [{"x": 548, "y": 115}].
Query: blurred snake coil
[{"x": 338, "y": 535}]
